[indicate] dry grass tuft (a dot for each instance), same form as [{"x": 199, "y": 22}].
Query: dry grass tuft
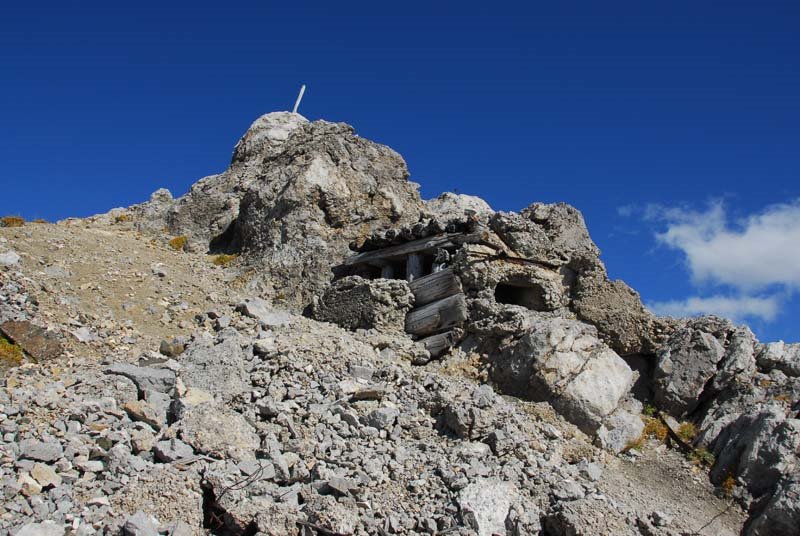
[
  {"x": 687, "y": 431},
  {"x": 12, "y": 221},
  {"x": 654, "y": 428},
  {"x": 178, "y": 243},
  {"x": 223, "y": 260},
  {"x": 123, "y": 218},
  {"x": 10, "y": 353},
  {"x": 728, "y": 485}
]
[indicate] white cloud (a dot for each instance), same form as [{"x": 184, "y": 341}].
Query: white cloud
[
  {"x": 750, "y": 255},
  {"x": 735, "y": 308}
]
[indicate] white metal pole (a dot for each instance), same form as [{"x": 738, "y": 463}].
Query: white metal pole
[{"x": 299, "y": 98}]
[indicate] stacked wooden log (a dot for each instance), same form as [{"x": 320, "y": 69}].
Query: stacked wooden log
[{"x": 439, "y": 307}]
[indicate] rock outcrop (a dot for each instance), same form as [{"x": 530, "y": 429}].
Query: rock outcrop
[
  {"x": 294, "y": 198},
  {"x": 506, "y": 407}
]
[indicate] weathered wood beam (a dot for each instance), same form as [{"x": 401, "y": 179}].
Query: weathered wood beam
[
  {"x": 438, "y": 344},
  {"x": 414, "y": 267},
  {"x": 400, "y": 251},
  {"x": 387, "y": 271},
  {"x": 437, "y": 316},
  {"x": 434, "y": 287}
]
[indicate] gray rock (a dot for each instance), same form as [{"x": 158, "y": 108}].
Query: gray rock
[
  {"x": 219, "y": 369},
  {"x": 382, "y": 418},
  {"x": 45, "y": 528},
  {"x": 219, "y": 432},
  {"x": 332, "y": 516},
  {"x": 568, "y": 490},
  {"x": 562, "y": 361},
  {"x": 781, "y": 356},
  {"x": 264, "y": 312},
  {"x": 619, "y": 429},
  {"x": 146, "y": 378},
  {"x": 781, "y": 514},
  {"x": 687, "y": 362},
  {"x": 761, "y": 449},
  {"x": 41, "y": 451},
  {"x": 172, "y": 450},
  {"x": 140, "y": 524},
  {"x": 84, "y": 335},
  {"x": 9, "y": 258},
  {"x": 449, "y": 206},
  {"x": 589, "y": 470},
  {"x": 485, "y": 504}
]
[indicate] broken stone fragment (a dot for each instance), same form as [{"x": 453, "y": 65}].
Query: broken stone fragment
[
  {"x": 155, "y": 379},
  {"x": 382, "y": 418},
  {"x": 219, "y": 432},
  {"x": 172, "y": 450},
  {"x": 41, "y": 451},
  {"x": 38, "y": 342},
  {"x": 140, "y": 524},
  {"x": 139, "y": 410},
  {"x": 28, "y": 486},
  {"x": 485, "y": 504},
  {"x": 45, "y": 528},
  {"x": 264, "y": 312},
  {"x": 45, "y": 476},
  {"x": 171, "y": 348},
  {"x": 9, "y": 258},
  {"x": 619, "y": 429}
]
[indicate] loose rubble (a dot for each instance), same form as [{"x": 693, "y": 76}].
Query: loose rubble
[{"x": 162, "y": 394}]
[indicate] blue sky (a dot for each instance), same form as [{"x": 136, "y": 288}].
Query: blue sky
[{"x": 673, "y": 126}]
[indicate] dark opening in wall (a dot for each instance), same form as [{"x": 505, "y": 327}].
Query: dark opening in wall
[
  {"x": 229, "y": 242},
  {"x": 521, "y": 293}
]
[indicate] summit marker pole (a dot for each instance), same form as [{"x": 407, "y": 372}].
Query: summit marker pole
[{"x": 299, "y": 98}]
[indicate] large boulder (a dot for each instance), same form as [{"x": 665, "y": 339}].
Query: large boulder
[
  {"x": 693, "y": 356},
  {"x": 562, "y": 361},
  {"x": 781, "y": 356},
  {"x": 761, "y": 448},
  {"x": 781, "y": 513}
]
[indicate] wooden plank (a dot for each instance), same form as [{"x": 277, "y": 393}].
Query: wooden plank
[
  {"x": 433, "y": 287},
  {"x": 438, "y": 344},
  {"x": 437, "y": 316},
  {"x": 414, "y": 267},
  {"x": 400, "y": 251},
  {"x": 387, "y": 271}
]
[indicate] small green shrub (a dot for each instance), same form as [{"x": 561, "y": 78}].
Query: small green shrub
[
  {"x": 649, "y": 410},
  {"x": 12, "y": 221},
  {"x": 701, "y": 456},
  {"x": 178, "y": 243}
]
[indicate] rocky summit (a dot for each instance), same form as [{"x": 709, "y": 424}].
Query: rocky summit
[{"x": 301, "y": 345}]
